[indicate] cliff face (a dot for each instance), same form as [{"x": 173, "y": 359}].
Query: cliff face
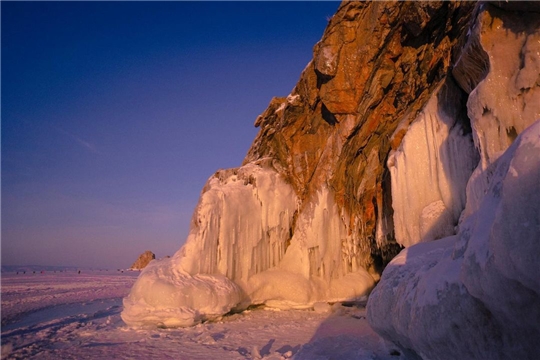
[
  {"x": 376, "y": 67},
  {"x": 388, "y": 140}
]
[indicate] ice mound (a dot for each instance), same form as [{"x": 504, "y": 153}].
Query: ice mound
[
  {"x": 476, "y": 294},
  {"x": 289, "y": 290},
  {"x": 165, "y": 297},
  {"x": 246, "y": 247}
]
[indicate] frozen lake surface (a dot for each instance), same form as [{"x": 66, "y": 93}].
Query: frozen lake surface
[{"x": 66, "y": 315}]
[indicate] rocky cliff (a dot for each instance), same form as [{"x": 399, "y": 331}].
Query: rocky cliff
[
  {"x": 388, "y": 140},
  {"x": 375, "y": 69}
]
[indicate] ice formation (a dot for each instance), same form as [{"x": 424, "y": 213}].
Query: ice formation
[
  {"x": 165, "y": 296},
  {"x": 430, "y": 171},
  {"x": 476, "y": 294},
  {"x": 508, "y": 99},
  {"x": 240, "y": 227},
  {"x": 311, "y": 208},
  {"x": 240, "y": 252}
]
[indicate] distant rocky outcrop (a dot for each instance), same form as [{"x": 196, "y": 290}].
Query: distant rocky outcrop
[{"x": 143, "y": 260}]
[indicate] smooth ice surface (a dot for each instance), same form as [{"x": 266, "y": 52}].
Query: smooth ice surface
[
  {"x": 73, "y": 316},
  {"x": 429, "y": 173},
  {"x": 244, "y": 248},
  {"x": 481, "y": 287}
]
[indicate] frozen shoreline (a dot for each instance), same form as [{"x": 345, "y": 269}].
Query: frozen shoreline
[{"x": 78, "y": 316}]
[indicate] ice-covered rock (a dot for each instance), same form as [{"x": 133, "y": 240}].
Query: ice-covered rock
[
  {"x": 374, "y": 70},
  {"x": 165, "y": 296},
  {"x": 475, "y": 295},
  {"x": 240, "y": 252},
  {"x": 240, "y": 228},
  {"x": 308, "y": 217},
  {"x": 242, "y": 224}
]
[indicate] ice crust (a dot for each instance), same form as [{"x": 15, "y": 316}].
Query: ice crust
[
  {"x": 481, "y": 287},
  {"x": 244, "y": 248}
]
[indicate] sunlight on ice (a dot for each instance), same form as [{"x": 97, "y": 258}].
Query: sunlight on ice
[{"x": 240, "y": 252}]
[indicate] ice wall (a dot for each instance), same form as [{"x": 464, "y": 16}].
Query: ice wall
[
  {"x": 475, "y": 295},
  {"x": 430, "y": 170},
  {"x": 241, "y": 225},
  {"x": 321, "y": 264}
]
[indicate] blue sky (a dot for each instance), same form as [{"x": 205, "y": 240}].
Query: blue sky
[{"x": 114, "y": 114}]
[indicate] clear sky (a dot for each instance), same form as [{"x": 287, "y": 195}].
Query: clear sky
[{"x": 114, "y": 114}]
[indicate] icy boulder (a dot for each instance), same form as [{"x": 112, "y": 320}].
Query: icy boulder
[
  {"x": 476, "y": 294},
  {"x": 165, "y": 296}
]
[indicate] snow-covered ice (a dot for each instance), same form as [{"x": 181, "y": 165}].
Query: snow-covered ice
[
  {"x": 24, "y": 293},
  {"x": 71, "y": 316}
]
